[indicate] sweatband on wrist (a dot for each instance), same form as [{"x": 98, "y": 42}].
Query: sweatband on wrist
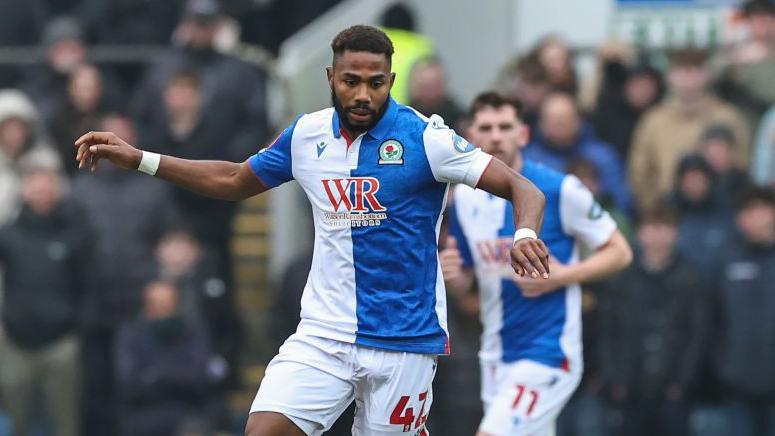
[
  {"x": 525, "y": 233},
  {"x": 149, "y": 163}
]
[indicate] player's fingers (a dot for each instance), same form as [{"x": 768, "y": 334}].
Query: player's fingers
[
  {"x": 95, "y": 138},
  {"x": 543, "y": 254},
  {"x": 526, "y": 256},
  {"x": 451, "y": 242}
]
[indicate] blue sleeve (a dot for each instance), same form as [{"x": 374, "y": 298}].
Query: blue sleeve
[
  {"x": 462, "y": 242},
  {"x": 273, "y": 164}
]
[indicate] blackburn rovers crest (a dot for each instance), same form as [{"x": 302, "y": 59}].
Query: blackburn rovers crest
[{"x": 391, "y": 152}]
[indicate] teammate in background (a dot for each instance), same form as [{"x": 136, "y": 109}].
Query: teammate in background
[
  {"x": 374, "y": 307},
  {"x": 530, "y": 355}
]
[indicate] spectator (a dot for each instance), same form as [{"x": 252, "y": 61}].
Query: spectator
[
  {"x": 129, "y": 212},
  {"x": 526, "y": 80},
  {"x": 625, "y": 95},
  {"x": 410, "y": 47},
  {"x": 744, "y": 332},
  {"x": 189, "y": 131},
  {"x": 203, "y": 293},
  {"x": 428, "y": 92},
  {"x": 717, "y": 146},
  {"x": 162, "y": 367},
  {"x": 563, "y": 135},
  {"x": 233, "y": 92},
  {"x": 743, "y": 72},
  {"x": 47, "y": 258},
  {"x": 80, "y": 112},
  {"x": 555, "y": 56},
  {"x": 652, "y": 332},
  {"x": 763, "y": 162},
  {"x": 23, "y": 141},
  {"x": 673, "y": 128},
  {"x": 705, "y": 220}
]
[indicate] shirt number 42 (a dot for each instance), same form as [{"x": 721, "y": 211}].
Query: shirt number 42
[{"x": 403, "y": 415}]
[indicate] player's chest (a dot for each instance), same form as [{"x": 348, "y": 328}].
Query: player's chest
[{"x": 365, "y": 171}]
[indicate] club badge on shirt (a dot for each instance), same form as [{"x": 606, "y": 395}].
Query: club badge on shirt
[{"x": 391, "y": 152}]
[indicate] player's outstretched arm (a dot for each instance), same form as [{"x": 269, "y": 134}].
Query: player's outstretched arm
[
  {"x": 216, "y": 179},
  {"x": 529, "y": 254}
]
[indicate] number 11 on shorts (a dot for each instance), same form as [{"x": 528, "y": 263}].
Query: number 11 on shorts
[{"x": 403, "y": 415}]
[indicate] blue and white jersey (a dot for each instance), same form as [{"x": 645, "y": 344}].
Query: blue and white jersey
[
  {"x": 377, "y": 203},
  {"x": 546, "y": 329}
]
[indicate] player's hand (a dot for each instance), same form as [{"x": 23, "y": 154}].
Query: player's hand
[
  {"x": 529, "y": 257},
  {"x": 451, "y": 262},
  {"x": 94, "y": 146},
  {"x": 532, "y": 287}
]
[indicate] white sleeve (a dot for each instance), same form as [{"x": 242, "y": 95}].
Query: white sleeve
[
  {"x": 452, "y": 158},
  {"x": 582, "y": 217}
]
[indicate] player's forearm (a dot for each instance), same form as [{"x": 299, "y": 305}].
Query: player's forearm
[
  {"x": 614, "y": 256},
  {"x": 528, "y": 201},
  {"x": 215, "y": 179}
]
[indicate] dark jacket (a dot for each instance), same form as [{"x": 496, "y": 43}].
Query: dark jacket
[
  {"x": 47, "y": 262},
  {"x": 653, "y": 326},
  {"x": 745, "y": 320},
  {"x": 588, "y": 147},
  {"x": 129, "y": 212},
  {"x": 233, "y": 93},
  {"x": 162, "y": 374}
]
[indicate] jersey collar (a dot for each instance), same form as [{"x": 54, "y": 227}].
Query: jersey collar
[{"x": 377, "y": 132}]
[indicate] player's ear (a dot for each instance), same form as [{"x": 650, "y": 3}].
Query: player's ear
[
  {"x": 330, "y": 76},
  {"x": 392, "y": 79}
]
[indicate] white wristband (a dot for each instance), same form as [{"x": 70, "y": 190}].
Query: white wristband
[
  {"x": 524, "y": 233},
  {"x": 149, "y": 163}
]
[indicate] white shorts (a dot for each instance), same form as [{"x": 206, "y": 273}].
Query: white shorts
[
  {"x": 312, "y": 380},
  {"x": 524, "y": 398}
]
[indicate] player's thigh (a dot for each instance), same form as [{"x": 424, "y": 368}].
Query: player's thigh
[
  {"x": 396, "y": 396},
  {"x": 271, "y": 424},
  {"x": 529, "y": 398},
  {"x": 307, "y": 382}
]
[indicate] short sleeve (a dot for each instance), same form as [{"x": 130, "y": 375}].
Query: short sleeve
[
  {"x": 273, "y": 164},
  {"x": 451, "y": 157},
  {"x": 456, "y": 231},
  {"x": 582, "y": 217}
]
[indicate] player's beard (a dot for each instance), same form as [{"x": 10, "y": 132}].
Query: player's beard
[{"x": 342, "y": 111}]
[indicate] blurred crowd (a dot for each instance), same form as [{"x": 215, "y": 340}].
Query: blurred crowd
[{"x": 118, "y": 312}]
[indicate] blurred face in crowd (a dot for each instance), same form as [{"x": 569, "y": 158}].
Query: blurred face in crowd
[
  {"x": 688, "y": 83},
  {"x": 183, "y": 97},
  {"x": 560, "y": 122},
  {"x": 177, "y": 252},
  {"x": 65, "y": 55},
  {"x": 85, "y": 88},
  {"x": 199, "y": 33},
  {"x": 161, "y": 300},
  {"x": 360, "y": 84},
  {"x": 641, "y": 90},
  {"x": 762, "y": 26},
  {"x": 757, "y": 222},
  {"x": 428, "y": 85},
  {"x": 657, "y": 239},
  {"x": 718, "y": 153},
  {"x": 14, "y": 135},
  {"x": 694, "y": 185},
  {"x": 498, "y": 131},
  {"x": 41, "y": 191},
  {"x": 121, "y": 126},
  {"x": 554, "y": 55}
]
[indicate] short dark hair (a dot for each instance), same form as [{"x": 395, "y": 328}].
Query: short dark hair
[
  {"x": 756, "y": 195},
  {"x": 757, "y": 7},
  {"x": 362, "y": 38},
  {"x": 399, "y": 16},
  {"x": 719, "y": 132},
  {"x": 661, "y": 213},
  {"x": 494, "y": 100}
]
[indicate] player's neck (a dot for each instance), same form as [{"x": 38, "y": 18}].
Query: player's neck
[{"x": 517, "y": 163}]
